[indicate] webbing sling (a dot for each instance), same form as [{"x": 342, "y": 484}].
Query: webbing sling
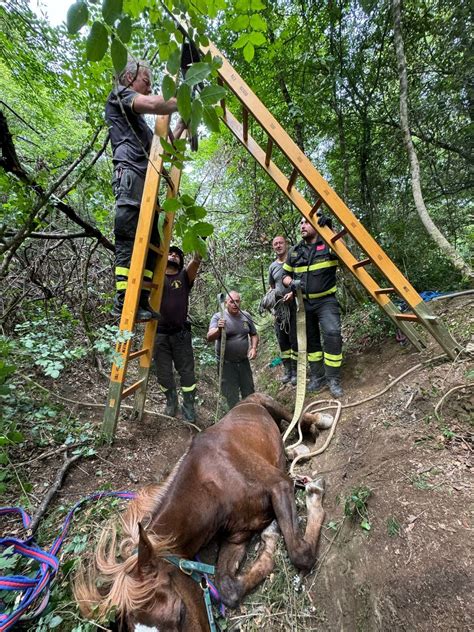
[{"x": 301, "y": 363}]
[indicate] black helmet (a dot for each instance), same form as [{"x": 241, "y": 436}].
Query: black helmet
[{"x": 180, "y": 254}]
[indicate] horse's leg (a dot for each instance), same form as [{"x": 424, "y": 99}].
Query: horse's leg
[
  {"x": 310, "y": 423},
  {"x": 302, "y": 550},
  {"x": 235, "y": 586},
  {"x": 230, "y": 558}
]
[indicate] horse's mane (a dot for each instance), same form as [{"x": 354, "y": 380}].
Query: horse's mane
[{"x": 110, "y": 582}]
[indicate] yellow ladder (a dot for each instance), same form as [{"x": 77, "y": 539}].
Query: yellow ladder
[
  {"x": 301, "y": 167},
  {"x": 149, "y": 213}
]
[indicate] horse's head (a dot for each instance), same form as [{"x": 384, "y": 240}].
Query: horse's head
[{"x": 175, "y": 602}]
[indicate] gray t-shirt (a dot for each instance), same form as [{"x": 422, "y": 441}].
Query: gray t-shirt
[
  {"x": 275, "y": 277},
  {"x": 130, "y": 135},
  {"x": 238, "y": 329}
]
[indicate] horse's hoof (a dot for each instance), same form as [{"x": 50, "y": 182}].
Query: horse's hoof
[
  {"x": 316, "y": 487},
  {"x": 325, "y": 421},
  {"x": 273, "y": 530}
]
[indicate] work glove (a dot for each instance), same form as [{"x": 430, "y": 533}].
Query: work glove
[{"x": 324, "y": 220}]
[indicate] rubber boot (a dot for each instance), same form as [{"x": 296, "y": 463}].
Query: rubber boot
[
  {"x": 118, "y": 303},
  {"x": 288, "y": 371},
  {"x": 317, "y": 379},
  {"x": 145, "y": 312},
  {"x": 188, "y": 406},
  {"x": 335, "y": 387},
  {"x": 171, "y": 402},
  {"x": 294, "y": 374}
]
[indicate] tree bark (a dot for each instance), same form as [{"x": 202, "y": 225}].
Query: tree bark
[{"x": 433, "y": 231}]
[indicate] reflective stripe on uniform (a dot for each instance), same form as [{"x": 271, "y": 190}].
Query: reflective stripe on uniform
[
  {"x": 315, "y": 356},
  {"x": 316, "y": 266},
  {"x": 188, "y": 389},
  {"x": 333, "y": 360},
  {"x": 119, "y": 271},
  {"x": 148, "y": 274},
  {"x": 121, "y": 285},
  {"x": 319, "y": 294},
  {"x": 287, "y": 267}
]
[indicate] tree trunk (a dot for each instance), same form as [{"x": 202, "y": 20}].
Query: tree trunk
[{"x": 433, "y": 231}]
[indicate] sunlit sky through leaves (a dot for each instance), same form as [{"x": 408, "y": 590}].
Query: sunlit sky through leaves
[{"x": 54, "y": 10}]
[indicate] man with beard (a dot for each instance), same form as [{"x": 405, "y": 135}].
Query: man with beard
[
  {"x": 173, "y": 343},
  {"x": 284, "y": 310},
  {"x": 241, "y": 346},
  {"x": 314, "y": 265}
]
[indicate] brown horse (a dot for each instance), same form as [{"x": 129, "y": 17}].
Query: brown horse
[{"x": 230, "y": 483}]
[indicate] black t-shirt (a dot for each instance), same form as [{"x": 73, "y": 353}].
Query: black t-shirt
[
  {"x": 175, "y": 302},
  {"x": 130, "y": 135}
]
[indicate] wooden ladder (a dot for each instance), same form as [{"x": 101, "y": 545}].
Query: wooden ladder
[
  {"x": 149, "y": 212},
  {"x": 301, "y": 167}
]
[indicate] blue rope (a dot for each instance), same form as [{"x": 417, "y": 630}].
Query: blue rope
[{"x": 32, "y": 588}]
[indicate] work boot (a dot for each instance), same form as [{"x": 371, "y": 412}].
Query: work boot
[
  {"x": 288, "y": 371},
  {"x": 317, "y": 379},
  {"x": 294, "y": 373},
  {"x": 188, "y": 406},
  {"x": 145, "y": 311},
  {"x": 171, "y": 402},
  {"x": 118, "y": 303},
  {"x": 335, "y": 387}
]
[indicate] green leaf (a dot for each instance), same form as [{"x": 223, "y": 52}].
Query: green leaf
[
  {"x": 184, "y": 101},
  {"x": 119, "y": 55},
  {"x": 111, "y": 10},
  {"x": 97, "y": 42},
  {"x": 196, "y": 115},
  {"x": 187, "y": 200},
  {"x": 249, "y": 52},
  {"x": 124, "y": 29},
  {"x": 55, "y": 621},
  {"x": 240, "y": 23},
  {"x": 189, "y": 240},
  {"x": 242, "y": 41},
  {"x": 164, "y": 50},
  {"x": 174, "y": 62},
  {"x": 242, "y": 6},
  {"x": 171, "y": 205},
  {"x": 212, "y": 94},
  {"x": 365, "y": 524},
  {"x": 77, "y": 16},
  {"x": 15, "y": 437},
  {"x": 203, "y": 229},
  {"x": 168, "y": 88},
  {"x": 257, "y": 22},
  {"x": 256, "y": 38},
  {"x": 210, "y": 118},
  {"x": 197, "y": 73},
  {"x": 257, "y": 5}
]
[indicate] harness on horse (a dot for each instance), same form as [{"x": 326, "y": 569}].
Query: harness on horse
[{"x": 199, "y": 572}]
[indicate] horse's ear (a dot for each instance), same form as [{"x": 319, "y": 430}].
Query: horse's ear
[{"x": 145, "y": 550}]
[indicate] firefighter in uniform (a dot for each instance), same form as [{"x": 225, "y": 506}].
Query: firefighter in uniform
[
  {"x": 314, "y": 265},
  {"x": 173, "y": 343},
  {"x": 131, "y": 137}
]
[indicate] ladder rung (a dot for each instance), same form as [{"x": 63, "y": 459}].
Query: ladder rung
[
  {"x": 245, "y": 124},
  {"x": 158, "y": 249},
  {"x": 413, "y": 317},
  {"x": 338, "y": 235},
  {"x": 268, "y": 153},
  {"x": 221, "y": 83},
  {"x": 292, "y": 180},
  {"x": 385, "y": 290},
  {"x": 362, "y": 263},
  {"x": 131, "y": 389},
  {"x": 315, "y": 207},
  {"x": 149, "y": 285},
  {"x": 137, "y": 354}
]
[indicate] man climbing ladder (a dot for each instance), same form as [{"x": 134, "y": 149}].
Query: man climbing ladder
[{"x": 131, "y": 138}]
